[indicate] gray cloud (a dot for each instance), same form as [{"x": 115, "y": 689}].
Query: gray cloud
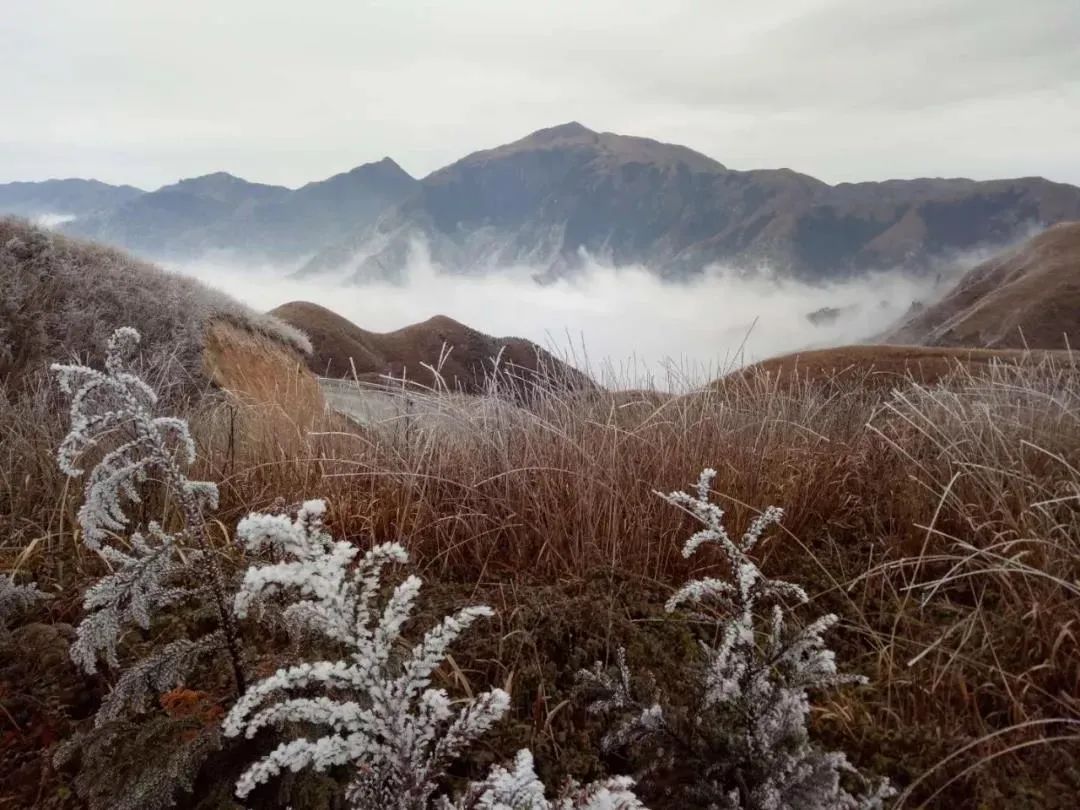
[{"x": 139, "y": 92}]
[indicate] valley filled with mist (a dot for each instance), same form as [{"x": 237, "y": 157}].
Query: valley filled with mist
[
  {"x": 616, "y": 405},
  {"x": 626, "y": 326},
  {"x": 644, "y": 263}
]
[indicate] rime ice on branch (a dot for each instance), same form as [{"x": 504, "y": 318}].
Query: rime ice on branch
[
  {"x": 112, "y": 419},
  {"x": 389, "y": 723},
  {"x": 117, "y": 403},
  {"x": 746, "y": 742},
  {"x": 381, "y": 715},
  {"x": 519, "y": 787}
]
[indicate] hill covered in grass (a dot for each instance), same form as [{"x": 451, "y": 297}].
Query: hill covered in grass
[
  {"x": 938, "y": 522},
  {"x": 936, "y": 517},
  {"x": 63, "y": 298},
  {"x": 874, "y": 366},
  {"x": 439, "y": 353},
  {"x": 1026, "y": 297}
]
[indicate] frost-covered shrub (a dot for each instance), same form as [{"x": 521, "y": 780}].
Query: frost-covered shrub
[
  {"x": 151, "y": 570},
  {"x": 379, "y": 710},
  {"x": 14, "y": 599},
  {"x": 743, "y": 741},
  {"x": 380, "y": 715},
  {"x": 519, "y": 788},
  {"x": 115, "y": 407},
  {"x": 139, "y": 764},
  {"x": 112, "y": 415}
]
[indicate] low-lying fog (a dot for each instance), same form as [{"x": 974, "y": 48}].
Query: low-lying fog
[{"x": 625, "y": 323}]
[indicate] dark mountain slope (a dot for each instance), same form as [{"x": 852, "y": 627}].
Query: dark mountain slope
[
  {"x": 71, "y": 197},
  {"x": 222, "y": 213},
  {"x": 180, "y": 219},
  {"x": 544, "y": 199}
]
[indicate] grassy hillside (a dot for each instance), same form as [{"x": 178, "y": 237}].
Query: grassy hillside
[
  {"x": 940, "y": 522},
  {"x": 1028, "y": 297},
  {"x": 62, "y": 299},
  {"x": 884, "y": 367},
  {"x": 438, "y": 353}
]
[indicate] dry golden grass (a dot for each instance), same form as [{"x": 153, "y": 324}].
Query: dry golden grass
[
  {"x": 885, "y": 366},
  {"x": 941, "y": 522},
  {"x": 262, "y": 376}
]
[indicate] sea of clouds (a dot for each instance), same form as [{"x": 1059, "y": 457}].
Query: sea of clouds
[{"x": 624, "y": 324}]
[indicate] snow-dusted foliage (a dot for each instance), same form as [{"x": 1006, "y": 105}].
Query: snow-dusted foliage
[
  {"x": 14, "y": 599},
  {"x": 381, "y": 715},
  {"x": 519, "y": 788},
  {"x": 131, "y": 453},
  {"x": 137, "y": 588},
  {"x": 113, "y": 421},
  {"x": 115, "y": 402},
  {"x": 744, "y": 743},
  {"x": 142, "y": 682}
]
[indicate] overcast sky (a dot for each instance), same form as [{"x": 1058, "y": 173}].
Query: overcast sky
[{"x": 146, "y": 92}]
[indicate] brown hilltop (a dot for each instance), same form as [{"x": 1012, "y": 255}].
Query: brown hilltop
[
  {"x": 878, "y": 367},
  {"x": 1025, "y": 297},
  {"x": 1020, "y": 307},
  {"x": 62, "y": 298},
  {"x": 344, "y": 350}
]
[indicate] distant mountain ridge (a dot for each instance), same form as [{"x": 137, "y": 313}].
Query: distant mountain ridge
[
  {"x": 548, "y": 198},
  {"x": 222, "y": 213},
  {"x": 553, "y": 198},
  {"x": 70, "y": 197}
]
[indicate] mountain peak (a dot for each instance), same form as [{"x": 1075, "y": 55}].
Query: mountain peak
[
  {"x": 608, "y": 147},
  {"x": 387, "y": 166},
  {"x": 214, "y": 183},
  {"x": 568, "y": 130},
  {"x": 222, "y": 186},
  {"x": 212, "y": 177},
  {"x": 571, "y": 131}
]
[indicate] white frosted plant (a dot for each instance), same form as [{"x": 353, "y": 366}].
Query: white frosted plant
[
  {"x": 380, "y": 714},
  {"x": 519, "y": 788},
  {"x": 138, "y": 587},
  {"x": 14, "y": 599},
  {"x": 381, "y": 717},
  {"x": 113, "y": 421},
  {"x": 137, "y": 460},
  {"x": 743, "y": 742},
  {"x": 114, "y": 409}
]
